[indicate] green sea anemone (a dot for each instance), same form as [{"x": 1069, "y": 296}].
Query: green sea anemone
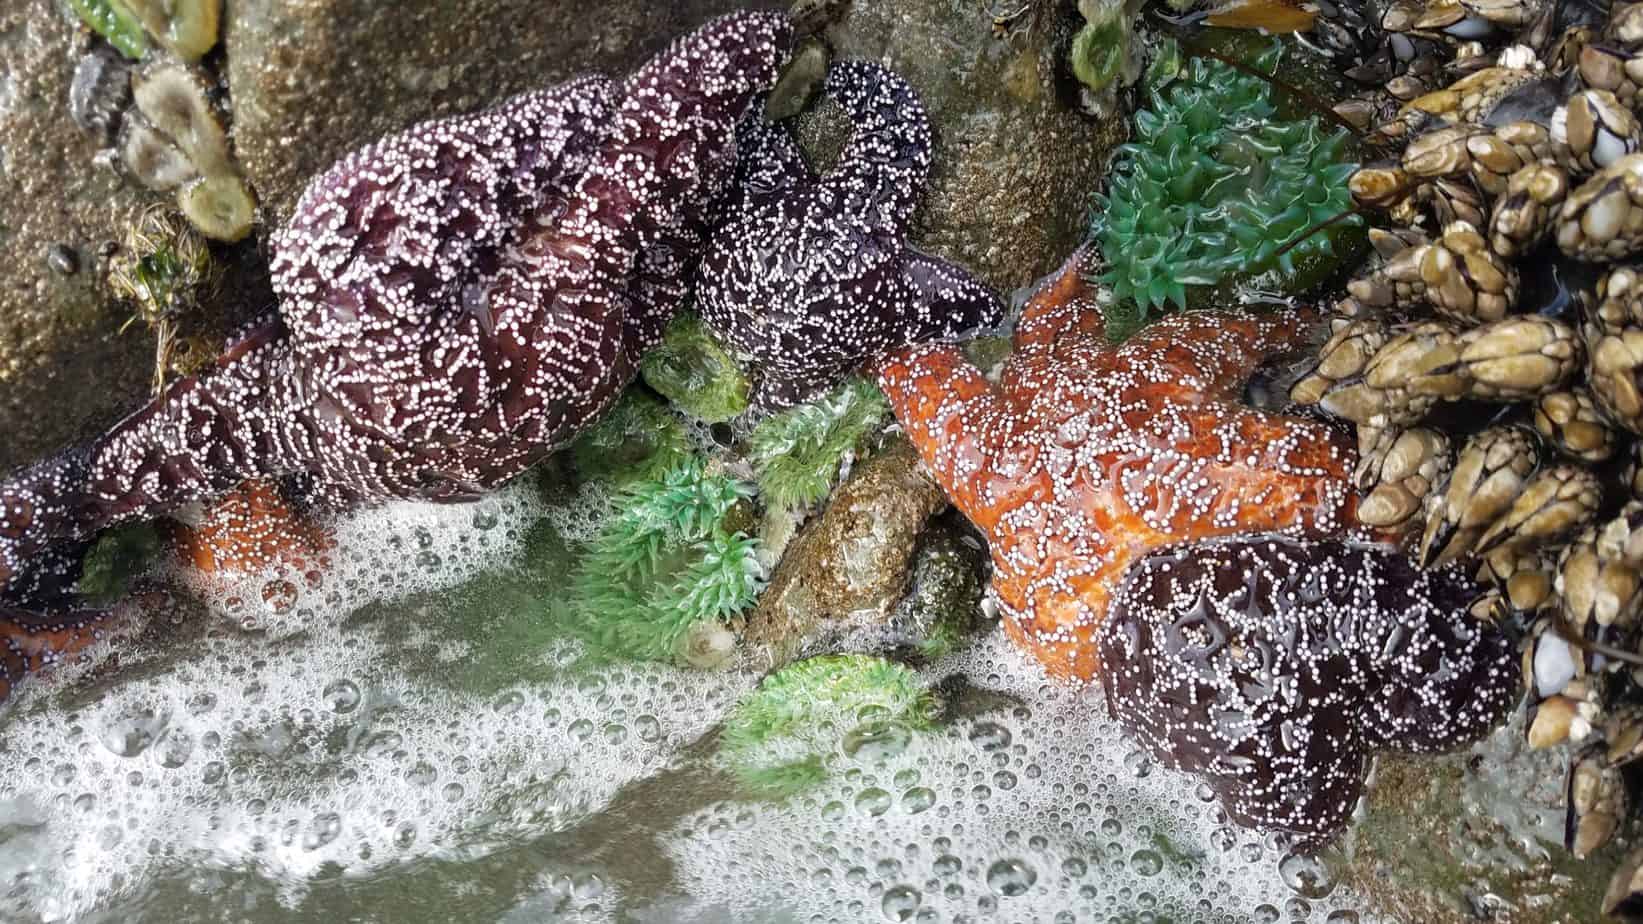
[
  {"x": 672, "y": 556},
  {"x": 1213, "y": 186},
  {"x": 693, "y": 371},
  {"x": 637, "y": 440},
  {"x": 797, "y": 453},
  {"x": 118, "y": 555},
  {"x": 113, "y": 21},
  {"x": 778, "y": 740}
]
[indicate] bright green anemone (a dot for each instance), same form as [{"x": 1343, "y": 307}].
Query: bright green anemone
[
  {"x": 674, "y": 556},
  {"x": 797, "y": 453},
  {"x": 1213, "y": 186},
  {"x": 778, "y": 740}
]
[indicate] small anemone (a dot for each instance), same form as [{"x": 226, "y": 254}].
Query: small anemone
[
  {"x": 693, "y": 371},
  {"x": 798, "y": 453},
  {"x": 778, "y": 740},
  {"x": 114, "y": 21},
  {"x": 637, "y": 440},
  {"x": 666, "y": 562},
  {"x": 1213, "y": 187},
  {"x": 187, "y": 28}
]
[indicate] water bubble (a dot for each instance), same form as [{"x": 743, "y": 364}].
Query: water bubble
[
  {"x": 173, "y": 749},
  {"x": 422, "y": 774},
  {"x": 342, "y": 696},
  {"x": 877, "y": 741},
  {"x": 1147, "y": 862},
  {"x": 947, "y": 865},
  {"x": 873, "y": 801},
  {"x": 1011, "y": 877},
  {"x": 322, "y": 830},
  {"x": 132, "y": 732},
  {"x": 990, "y": 736},
  {"x": 917, "y": 799},
  {"x": 1306, "y": 876},
  {"x": 900, "y": 903},
  {"x": 1074, "y": 867}
]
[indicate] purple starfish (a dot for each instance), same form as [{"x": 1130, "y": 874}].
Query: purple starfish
[
  {"x": 812, "y": 275},
  {"x": 456, "y": 302},
  {"x": 1274, "y": 667}
]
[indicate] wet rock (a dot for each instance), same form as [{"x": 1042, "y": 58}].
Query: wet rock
[
  {"x": 58, "y": 343},
  {"x": 1015, "y": 162},
  {"x": 1470, "y": 837},
  {"x": 313, "y": 79},
  {"x": 849, "y": 566}
]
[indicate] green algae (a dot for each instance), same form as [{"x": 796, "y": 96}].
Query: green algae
[
  {"x": 117, "y": 556},
  {"x": 797, "y": 453},
  {"x": 693, "y": 371},
  {"x": 670, "y": 558},
  {"x": 113, "y": 21},
  {"x": 1215, "y": 184},
  {"x": 779, "y": 739}
]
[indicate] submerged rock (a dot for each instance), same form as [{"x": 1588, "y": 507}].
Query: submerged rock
[{"x": 850, "y": 566}]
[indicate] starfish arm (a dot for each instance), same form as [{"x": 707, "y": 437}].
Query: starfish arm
[
  {"x": 768, "y": 162},
  {"x": 1063, "y": 306},
  {"x": 1209, "y": 355},
  {"x": 954, "y": 417},
  {"x": 1237, "y": 469},
  {"x": 886, "y": 163},
  {"x": 947, "y": 302}
]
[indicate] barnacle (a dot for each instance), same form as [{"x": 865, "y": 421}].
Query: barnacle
[
  {"x": 691, "y": 369},
  {"x": 797, "y": 453},
  {"x": 668, "y": 560},
  {"x": 777, "y": 740},
  {"x": 1215, "y": 184}
]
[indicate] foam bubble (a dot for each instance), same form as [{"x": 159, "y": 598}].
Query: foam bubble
[
  {"x": 313, "y": 743},
  {"x": 1033, "y": 808}
]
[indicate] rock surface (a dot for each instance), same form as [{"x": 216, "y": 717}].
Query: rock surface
[
  {"x": 850, "y": 565},
  {"x": 313, "y": 79},
  {"x": 1015, "y": 162},
  {"x": 63, "y": 368}
]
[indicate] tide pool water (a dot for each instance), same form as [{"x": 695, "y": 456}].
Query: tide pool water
[{"x": 407, "y": 736}]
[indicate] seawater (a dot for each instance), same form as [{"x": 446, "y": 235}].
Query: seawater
[{"x": 404, "y": 737}]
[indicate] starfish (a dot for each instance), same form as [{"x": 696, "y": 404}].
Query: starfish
[
  {"x": 1274, "y": 667},
  {"x": 809, "y": 275},
  {"x": 1087, "y": 456},
  {"x": 455, "y": 302}
]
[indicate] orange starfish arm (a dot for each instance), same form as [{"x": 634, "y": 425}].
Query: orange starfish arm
[
  {"x": 1257, "y": 472},
  {"x": 954, "y": 417},
  {"x": 1211, "y": 354},
  {"x": 1064, "y": 307}
]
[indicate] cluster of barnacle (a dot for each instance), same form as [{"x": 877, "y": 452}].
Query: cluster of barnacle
[
  {"x": 1212, "y": 186},
  {"x": 1492, "y": 361},
  {"x": 146, "y": 96}
]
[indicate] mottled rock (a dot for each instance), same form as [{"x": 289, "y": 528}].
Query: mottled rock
[
  {"x": 1472, "y": 836},
  {"x": 850, "y": 565},
  {"x": 1014, "y": 159},
  {"x": 313, "y": 79},
  {"x": 63, "y": 369}
]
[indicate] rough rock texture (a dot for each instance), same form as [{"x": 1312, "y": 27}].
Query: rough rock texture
[
  {"x": 851, "y": 564},
  {"x": 63, "y": 370},
  {"x": 313, "y": 79},
  {"x": 1014, "y": 162},
  {"x": 1469, "y": 837}
]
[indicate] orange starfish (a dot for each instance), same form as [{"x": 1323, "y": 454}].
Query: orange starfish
[
  {"x": 1086, "y": 456},
  {"x": 248, "y": 530}
]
